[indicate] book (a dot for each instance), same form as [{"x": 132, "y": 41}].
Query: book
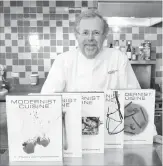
[
  {"x": 34, "y": 128},
  {"x": 139, "y": 116},
  {"x": 114, "y": 119},
  {"x": 71, "y": 120},
  {"x": 72, "y": 128},
  {"x": 93, "y": 122}
]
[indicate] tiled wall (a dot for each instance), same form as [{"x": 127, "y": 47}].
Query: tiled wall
[{"x": 48, "y": 25}]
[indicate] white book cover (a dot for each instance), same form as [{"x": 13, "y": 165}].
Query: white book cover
[
  {"x": 93, "y": 122},
  {"x": 72, "y": 128},
  {"x": 114, "y": 119},
  {"x": 72, "y": 136},
  {"x": 34, "y": 128},
  {"x": 139, "y": 116}
]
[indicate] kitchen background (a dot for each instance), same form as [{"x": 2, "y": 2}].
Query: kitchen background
[{"x": 33, "y": 33}]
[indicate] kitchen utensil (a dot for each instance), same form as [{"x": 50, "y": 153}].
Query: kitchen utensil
[{"x": 65, "y": 142}]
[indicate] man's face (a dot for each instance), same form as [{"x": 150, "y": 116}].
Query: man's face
[{"x": 90, "y": 37}]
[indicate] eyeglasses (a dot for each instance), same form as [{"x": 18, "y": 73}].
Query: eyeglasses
[{"x": 87, "y": 33}]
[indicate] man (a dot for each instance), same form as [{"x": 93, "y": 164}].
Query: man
[{"x": 90, "y": 67}]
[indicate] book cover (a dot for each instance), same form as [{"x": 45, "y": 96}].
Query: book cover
[
  {"x": 71, "y": 123},
  {"x": 93, "y": 122},
  {"x": 72, "y": 128},
  {"x": 139, "y": 116},
  {"x": 114, "y": 119},
  {"x": 34, "y": 128}
]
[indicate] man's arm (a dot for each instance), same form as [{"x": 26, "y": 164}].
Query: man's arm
[{"x": 56, "y": 79}]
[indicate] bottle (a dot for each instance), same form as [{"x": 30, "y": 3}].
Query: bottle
[
  {"x": 128, "y": 51},
  {"x": 116, "y": 44},
  {"x": 111, "y": 45},
  {"x": 133, "y": 54}
]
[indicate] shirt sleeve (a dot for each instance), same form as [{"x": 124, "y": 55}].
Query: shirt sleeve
[
  {"x": 56, "y": 79},
  {"x": 127, "y": 77}
]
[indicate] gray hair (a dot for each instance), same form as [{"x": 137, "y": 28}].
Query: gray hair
[{"x": 91, "y": 13}]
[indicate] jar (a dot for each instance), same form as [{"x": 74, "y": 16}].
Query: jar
[
  {"x": 34, "y": 79},
  {"x": 147, "y": 50}
]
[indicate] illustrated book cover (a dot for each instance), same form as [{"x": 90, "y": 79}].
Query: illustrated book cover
[
  {"x": 114, "y": 119},
  {"x": 139, "y": 116},
  {"x": 34, "y": 128}
]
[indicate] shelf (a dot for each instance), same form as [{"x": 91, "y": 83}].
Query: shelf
[{"x": 144, "y": 62}]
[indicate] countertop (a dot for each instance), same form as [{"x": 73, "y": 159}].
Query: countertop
[{"x": 130, "y": 155}]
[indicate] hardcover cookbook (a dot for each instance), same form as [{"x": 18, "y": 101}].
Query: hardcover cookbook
[
  {"x": 34, "y": 128},
  {"x": 139, "y": 116},
  {"x": 114, "y": 119},
  {"x": 93, "y": 122}
]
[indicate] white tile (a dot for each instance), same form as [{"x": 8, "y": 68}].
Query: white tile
[
  {"x": 14, "y": 36},
  {"x": 72, "y": 17},
  {"x": 159, "y": 30},
  {"x": 34, "y": 68},
  {"x": 26, "y": 3},
  {"x": 47, "y": 65},
  {"x": 46, "y": 42},
  {"x": 46, "y": 10},
  {"x": 90, "y": 3},
  {"x": 18, "y": 68},
  {"x": 19, "y": 10},
  {"x": 159, "y": 49},
  {"x": 21, "y": 43},
  {"x": 53, "y": 55},
  {"x": 6, "y": 3},
  {"x": 13, "y": 23},
  {"x": 22, "y": 56},
  {"x": 72, "y": 36},
  {"x": 65, "y": 23},
  {"x": 33, "y": 3},
  {"x": 135, "y": 30},
  {"x": 7, "y": 29},
  {"x": 52, "y": 23},
  {"x": 152, "y": 36},
  {"x": 62, "y": 10},
  {"x": 116, "y": 36},
  {"x": 9, "y": 62},
  {"x": 59, "y": 49},
  {"x": 46, "y": 29},
  {"x": 52, "y": 3},
  {"x": 59, "y": 30},
  {"x": 8, "y": 74},
  {"x": 128, "y": 36},
  {"x": 3, "y": 49},
  {"x": 41, "y": 74},
  {"x": 13, "y": 10},
  {"x": 14, "y": 49},
  {"x": 78, "y": 4},
  {"x": 146, "y": 36},
  {"x": 39, "y": 16},
  {"x": 33, "y": 23},
  {"x": 8, "y": 42},
  {"x": 2, "y": 36}
]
